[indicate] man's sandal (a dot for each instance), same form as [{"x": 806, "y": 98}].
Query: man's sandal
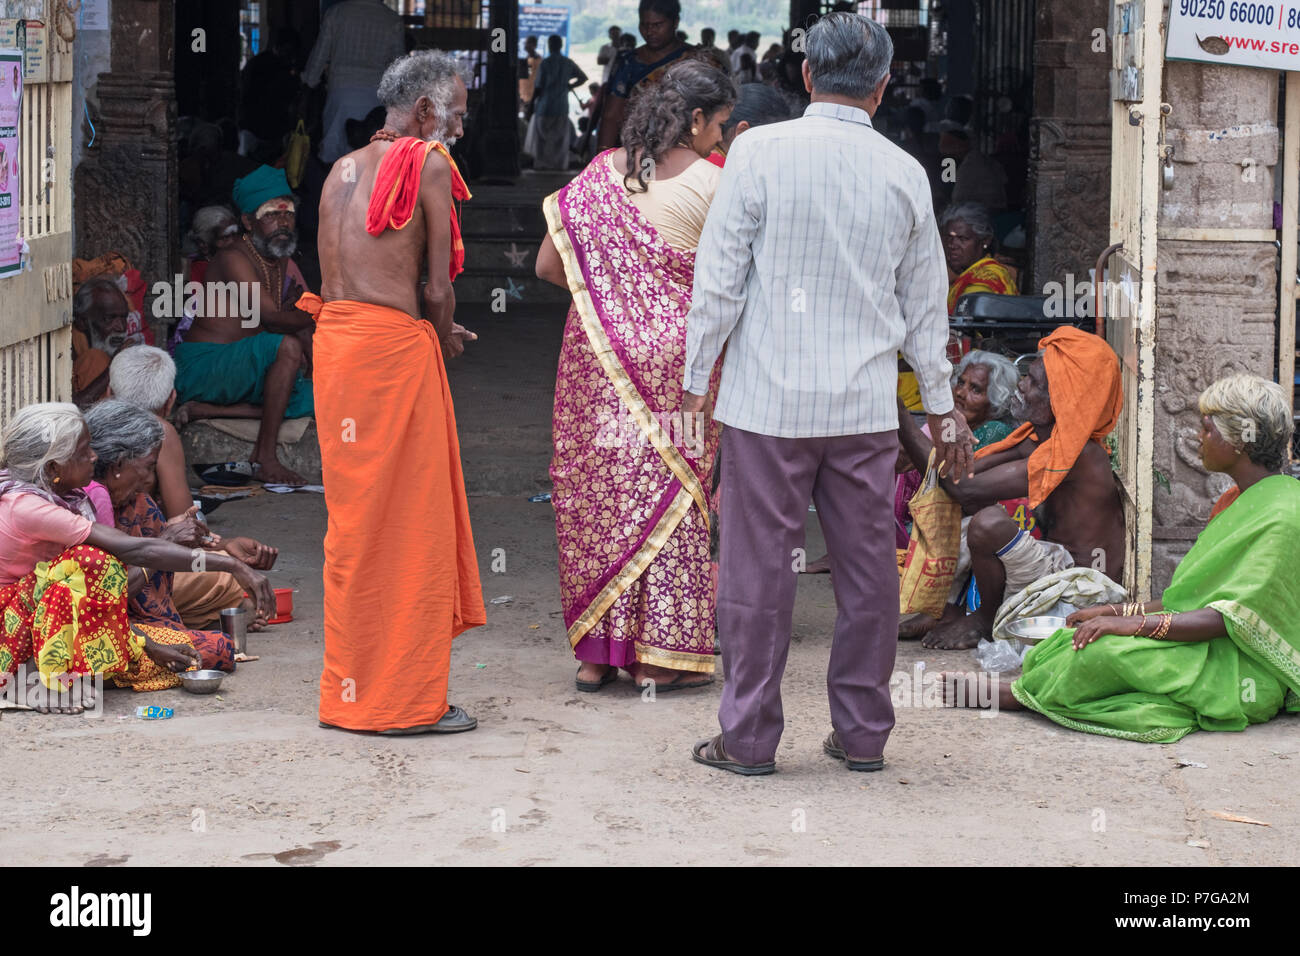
[
  {"x": 834, "y": 749},
  {"x": 711, "y": 754}
]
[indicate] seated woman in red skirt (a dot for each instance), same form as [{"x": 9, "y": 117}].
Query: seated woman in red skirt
[{"x": 63, "y": 578}]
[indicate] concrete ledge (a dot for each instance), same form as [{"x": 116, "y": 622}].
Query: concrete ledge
[{"x": 206, "y": 445}]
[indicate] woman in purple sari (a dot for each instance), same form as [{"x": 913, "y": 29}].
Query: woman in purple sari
[{"x": 630, "y": 478}]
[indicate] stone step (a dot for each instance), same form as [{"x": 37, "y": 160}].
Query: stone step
[
  {"x": 206, "y": 445},
  {"x": 502, "y": 219},
  {"x": 506, "y": 257}
]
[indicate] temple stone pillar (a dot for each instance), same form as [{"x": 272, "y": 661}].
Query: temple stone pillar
[
  {"x": 1215, "y": 301},
  {"x": 1069, "y": 160},
  {"x": 126, "y": 186}
]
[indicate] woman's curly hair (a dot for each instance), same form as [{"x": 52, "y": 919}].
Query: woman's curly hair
[{"x": 658, "y": 116}]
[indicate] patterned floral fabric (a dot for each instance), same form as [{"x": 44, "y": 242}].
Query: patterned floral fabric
[
  {"x": 142, "y": 518},
  {"x": 70, "y": 614},
  {"x": 630, "y": 478},
  {"x": 983, "y": 275}
]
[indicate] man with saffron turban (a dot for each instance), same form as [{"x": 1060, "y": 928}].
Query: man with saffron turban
[
  {"x": 401, "y": 576},
  {"x": 244, "y": 355},
  {"x": 1067, "y": 403}
]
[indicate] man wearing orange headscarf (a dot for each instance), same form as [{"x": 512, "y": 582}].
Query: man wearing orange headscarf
[
  {"x": 1068, "y": 402},
  {"x": 401, "y": 574}
]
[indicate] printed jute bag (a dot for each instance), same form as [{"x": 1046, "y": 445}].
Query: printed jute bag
[{"x": 926, "y": 567}]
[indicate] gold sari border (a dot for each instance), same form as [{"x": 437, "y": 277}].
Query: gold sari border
[
  {"x": 633, "y": 569},
  {"x": 609, "y": 360},
  {"x": 675, "y": 660}
]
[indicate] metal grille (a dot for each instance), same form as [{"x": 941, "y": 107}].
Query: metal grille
[
  {"x": 33, "y": 371},
  {"x": 45, "y": 148},
  {"x": 1004, "y": 63}
]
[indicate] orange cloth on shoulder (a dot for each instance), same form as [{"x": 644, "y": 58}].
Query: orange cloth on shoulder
[
  {"x": 1225, "y": 499},
  {"x": 397, "y": 191},
  {"x": 1083, "y": 382}
]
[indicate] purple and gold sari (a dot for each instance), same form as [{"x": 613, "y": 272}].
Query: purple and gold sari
[{"x": 630, "y": 478}]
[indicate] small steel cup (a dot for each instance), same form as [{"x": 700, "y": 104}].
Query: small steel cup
[{"x": 234, "y": 624}]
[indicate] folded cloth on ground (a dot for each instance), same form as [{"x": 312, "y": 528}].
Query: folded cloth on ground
[{"x": 1082, "y": 587}]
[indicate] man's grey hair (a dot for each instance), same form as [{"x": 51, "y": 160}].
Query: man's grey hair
[
  {"x": 848, "y": 55},
  {"x": 976, "y": 215},
  {"x": 84, "y": 298},
  {"x": 37, "y": 436},
  {"x": 430, "y": 73},
  {"x": 1003, "y": 379},
  {"x": 143, "y": 376},
  {"x": 120, "y": 431},
  {"x": 211, "y": 223}
]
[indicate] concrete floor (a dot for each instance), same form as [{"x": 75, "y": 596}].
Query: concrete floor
[{"x": 554, "y": 776}]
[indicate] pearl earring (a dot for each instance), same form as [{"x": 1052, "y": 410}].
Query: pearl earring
[
  {"x": 694, "y": 131},
  {"x": 118, "y": 475}
]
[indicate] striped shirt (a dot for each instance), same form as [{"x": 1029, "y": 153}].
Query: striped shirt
[
  {"x": 820, "y": 260},
  {"x": 358, "y": 40}
]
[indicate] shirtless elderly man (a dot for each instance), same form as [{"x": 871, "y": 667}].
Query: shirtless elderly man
[
  {"x": 250, "y": 366},
  {"x": 1068, "y": 402},
  {"x": 401, "y": 575}
]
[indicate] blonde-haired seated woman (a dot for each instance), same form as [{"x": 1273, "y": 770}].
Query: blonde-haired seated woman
[
  {"x": 63, "y": 580},
  {"x": 1221, "y": 649}
]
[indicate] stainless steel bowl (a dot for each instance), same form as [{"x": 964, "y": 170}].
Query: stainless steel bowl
[
  {"x": 201, "y": 682},
  {"x": 1031, "y": 630}
]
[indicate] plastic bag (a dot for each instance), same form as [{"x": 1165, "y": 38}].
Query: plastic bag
[
  {"x": 998, "y": 657},
  {"x": 927, "y": 567}
]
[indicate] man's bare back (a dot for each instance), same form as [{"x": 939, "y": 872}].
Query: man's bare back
[{"x": 384, "y": 269}]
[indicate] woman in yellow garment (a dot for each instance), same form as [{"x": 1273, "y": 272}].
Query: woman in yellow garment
[{"x": 967, "y": 233}]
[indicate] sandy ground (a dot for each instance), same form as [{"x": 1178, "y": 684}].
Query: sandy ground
[{"x": 554, "y": 776}]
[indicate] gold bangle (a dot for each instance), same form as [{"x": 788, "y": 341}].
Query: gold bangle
[{"x": 1166, "y": 622}]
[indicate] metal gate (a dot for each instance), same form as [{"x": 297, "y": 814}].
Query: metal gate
[{"x": 36, "y": 305}]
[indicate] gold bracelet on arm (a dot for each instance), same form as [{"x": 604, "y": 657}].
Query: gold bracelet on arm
[{"x": 1166, "y": 622}]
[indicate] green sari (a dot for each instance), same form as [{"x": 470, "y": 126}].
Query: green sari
[{"x": 1136, "y": 688}]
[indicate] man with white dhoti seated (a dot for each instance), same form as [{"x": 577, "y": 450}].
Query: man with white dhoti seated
[{"x": 401, "y": 576}]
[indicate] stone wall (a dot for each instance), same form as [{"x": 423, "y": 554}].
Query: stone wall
[
  {"x": 1215, "y": 301},
  {"x": 126, "y": 185},
  {"x": 1069, "y": 162}
]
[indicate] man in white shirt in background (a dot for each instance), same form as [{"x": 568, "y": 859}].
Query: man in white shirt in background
[
  {"x": 358, "y": 40},
  {"x": 608, "y": 53},
  {"x": 820, "y": 260}
]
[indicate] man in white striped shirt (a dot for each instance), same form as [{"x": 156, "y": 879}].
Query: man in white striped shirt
[
  {"x": 358, "y": 40},
  {"x": 819, "y": 261}
]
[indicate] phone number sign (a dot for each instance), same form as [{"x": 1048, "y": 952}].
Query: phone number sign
[{"x": 1236, "y": 32}]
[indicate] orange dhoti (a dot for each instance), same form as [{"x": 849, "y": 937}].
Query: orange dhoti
[{"x": 401, "y": 575}]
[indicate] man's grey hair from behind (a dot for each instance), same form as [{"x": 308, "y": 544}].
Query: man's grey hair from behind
[
  {"x": 143, "y": 376},
  {"x": 848, "y": 55},
  {"x": 430, "y": 73}
]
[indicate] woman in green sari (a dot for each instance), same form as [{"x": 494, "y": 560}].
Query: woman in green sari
[{"x": 1221, "y": 648}]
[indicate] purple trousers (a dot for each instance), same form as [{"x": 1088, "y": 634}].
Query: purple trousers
[{"x": 766, "y": 484}]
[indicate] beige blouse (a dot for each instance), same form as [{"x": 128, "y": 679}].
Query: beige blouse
[{"x": 676, "y": 207}]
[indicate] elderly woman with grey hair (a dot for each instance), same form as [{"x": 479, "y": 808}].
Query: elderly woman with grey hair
[
  {"x": 63, "y": 580},
  {"x": 126, "y": 440},
  {"x": 1220, "y": 649},
  {"x": 967, "y": 233}
]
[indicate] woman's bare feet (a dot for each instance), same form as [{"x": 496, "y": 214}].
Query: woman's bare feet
[
  {"x": 75, "y": 694},
  {"x": 977, "y": 689}
]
